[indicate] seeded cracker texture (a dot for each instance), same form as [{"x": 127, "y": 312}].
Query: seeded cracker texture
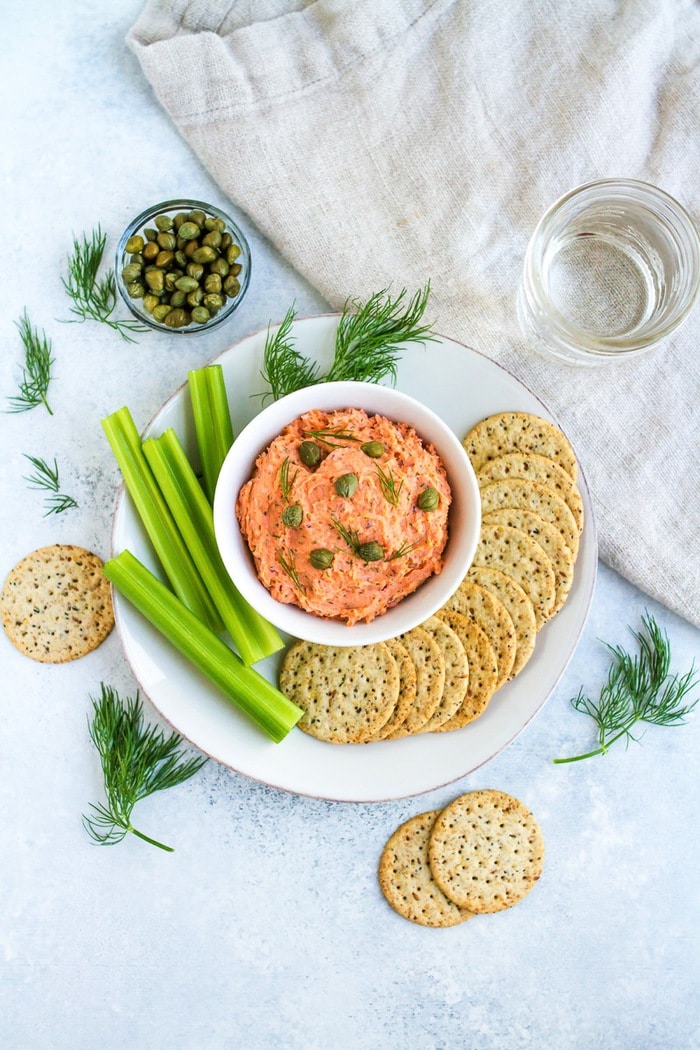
[
  {"x": 518, "y": 556},
  {"x": 531, "y": 467},
  {"x": 56, "y": 604},
  {"x": 518, "y": 432},
  {"x": 530, "y": 495},
  {"x": 483, "y": 672},
  {"x": 551, "y": 542},
  {"x": 406, "y": 880},
  {"x": 519, "y": 607},
  {"x": 407, "y": 689},
  {"x": 456, "y": 672},
  {"x": 346, "y": 693},
  {"x": 490, "y": 614},
  {"x": 486, "y": 851},
  {"x": 430, "y": 680}
]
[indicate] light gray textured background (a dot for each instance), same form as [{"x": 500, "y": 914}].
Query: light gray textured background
[{"x": 266, "y": 927}]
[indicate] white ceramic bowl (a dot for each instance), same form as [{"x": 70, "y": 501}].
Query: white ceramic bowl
[{"x": 464, "y": 518}]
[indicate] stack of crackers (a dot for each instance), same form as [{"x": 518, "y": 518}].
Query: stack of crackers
[
  {"x": 442, "y": 675},
  {"x": 481, "y": 854}
]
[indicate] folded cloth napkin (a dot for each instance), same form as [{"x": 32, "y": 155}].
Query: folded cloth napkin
[{"x": 380, "y": 144}]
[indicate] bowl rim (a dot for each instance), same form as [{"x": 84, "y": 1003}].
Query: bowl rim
[
  {"x": 180, "y": 204},
  {"x": 416, "y": 607}
]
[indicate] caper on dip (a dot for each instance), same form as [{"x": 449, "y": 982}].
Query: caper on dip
[{"x": 346, "y": 514}]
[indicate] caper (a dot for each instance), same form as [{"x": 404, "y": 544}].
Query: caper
[
  {"x": 150, "y": 302},
  {"x": 232, "y": 253},
  {"x": 131, "y": 272},
  {"x": 194, "y": 269},
  {"x": 194, "y": 298},
  {"x": 235, "y": 269},
  {"x": 292, "y": 515},
  {"x": 209, "y": 222},
  {"x": 373, "y": 449},
  {"x": 429, "y": 499},
  {"x": 161, "y": 311},
  {"x": 178, "y": 298},
  {"x": 212, "y": 239},
  {"x": 197, "y": 217},
  {"x": 177, "y": 318},
  {"x": 151, "y": 250},
  {"x": 200, "y": 314},
  {"x": 150, "y": 234},
  {"x": 212, "y": 301},
  {"x": 179, "y": 219},
  {"x": 309, "y": 453},
  {"x": 170, "y": 278},
  {"x": 371, "y": 551},
  {"x": 232, "y": 286},
  {"x": 186, "y": 284},
  {"x": 345, "y": 485},
  {"x": 226, "y": 241},
  {"x": 188, "y": 231},
  {"x": 181, "y": 258},
  {"x": 135, "y": 289},
  {"x": 167, "y": 241},
  {"x": 164, "y": 223},
  {"x": 220, "y": 266},
  {"x": 164, "y": 259},
  {"x": 321, "y": 558},
  {"x": 204, "y": 255},
  {"x": 213, "y": 283},
  {"x": 190, "y": 247},
  {"x": 134, "y": 244},
  {"x": 155, "y": 279}
]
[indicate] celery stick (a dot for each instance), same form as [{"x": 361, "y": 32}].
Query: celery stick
[
  {"x": 184, "y": 578},
  {"x": 252, "y": 635},
  {"x": 259, "y": 699},
  {"x": 212, "y": 421}
]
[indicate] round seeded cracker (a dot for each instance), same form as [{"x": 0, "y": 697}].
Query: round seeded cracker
[
  {"x": 528, "y": 466},
  {"x": 456, "y": 672},
  {"x": 57, "y": 604},
  {"x": 406, "y": 880},
  {"x": 516, "y": 554},
  {"x": 407, "y": 689},
  {"x": 486, "y": 851},
  {"x": 430, "y": 680},
  {"x": 518, "y": 432},
  {"x": 549, "y": 539},
  {"x": 491, "y": 615},
  {"x": 483, "y": 670},
  {"x": 520, "y": 609},
  {"x": 530, "y": 495},
  {"x": 346, "y": 693}
]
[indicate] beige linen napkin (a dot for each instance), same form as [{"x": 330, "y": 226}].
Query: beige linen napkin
[{"x": 382, "y": 142}]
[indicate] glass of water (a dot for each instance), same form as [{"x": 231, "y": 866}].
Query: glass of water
[{"x": 611, "y": 270}]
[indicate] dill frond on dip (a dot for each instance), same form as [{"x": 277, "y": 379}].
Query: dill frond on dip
[{"x": 349, "y": 527}]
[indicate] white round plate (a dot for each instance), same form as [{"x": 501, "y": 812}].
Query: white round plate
[{"x": 460, "y": 385}]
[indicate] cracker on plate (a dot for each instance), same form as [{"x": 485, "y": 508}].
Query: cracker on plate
[
  {"x": 456, "y": 684},
  {"x": 516, "y": 554},
  {"x": 346, "y": 693},
  {"x": 490, "y": 614},
  {"x": 516, "y": 494},
  {"x": 57, "y": 604},
  {"x": 486, "y": 851},
  {"x": 528, "y": 466},
  {"x": 406, "y": 880},
  {"x": 549, "y": 539},
  {"x": 518, "y": 432},
  {"x": 407, "y": 689},
  {"x": 430, "y": 680},
  {"x": 483, "y": 670},
  {"x": 520, "y": 609}
]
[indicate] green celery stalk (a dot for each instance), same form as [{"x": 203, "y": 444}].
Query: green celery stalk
[
  {"x": 168, "y": 544},
  {"x": 252, "y": 635},
  {"x": 270, "y": 709},
  {"x": 212, "y": 421}
]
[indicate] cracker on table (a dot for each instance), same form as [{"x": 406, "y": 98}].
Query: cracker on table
[
  {"x": 528, "y": 466},
  {"x": 57, "y": 604},
  {"x": 520, "y": 609},
  {"x": 406, "y": 880},
  {"x": 456, "y": 672},
  {"x": 430, "y": 680},
  {"x": 483, "y": 670},
  {"x": 549, "y": 539},
  {"x": 516, "y": 554},
  {"x": 486, "y": 851},
  {"x": 530, "y": 495},
  {"x": 407, "y": 689},
  {"x": 507, "y": 432},
  {"x": 346, "y": 693},
  {"x": 491, "y": 615}
]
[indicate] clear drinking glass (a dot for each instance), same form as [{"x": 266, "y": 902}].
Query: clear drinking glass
[{"x": 611, "y": 270}]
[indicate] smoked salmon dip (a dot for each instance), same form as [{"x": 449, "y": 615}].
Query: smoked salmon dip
[{"x": 345, "y": 514}]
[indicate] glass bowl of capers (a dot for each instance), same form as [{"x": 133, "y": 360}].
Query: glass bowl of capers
[{"x": 183, "y": 266}]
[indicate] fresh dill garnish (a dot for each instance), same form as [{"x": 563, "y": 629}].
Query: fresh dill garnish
[
  {"x": 332, "y": 437},
  {"x": 46, "y": 478},
  {"x": 137, "y": 760},
  {"x": 369, "y": 335},
  {"x": 94, "y": 297},
  {"x": 368, "y": 550},
  {"x": 284, "y": 368},
  {"x": 638, "y": 689},
  {"x": 368, "y": 343},
  {"x": 387, "y": 482},
  {"x": 36, "y": 371},
  {"x": 285, "y": 481},
  {"x": 403, "y": 550},
  {"x": 289, "y": 566}
]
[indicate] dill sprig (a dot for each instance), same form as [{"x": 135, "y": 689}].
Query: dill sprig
[
  {"x": 284, "y": 368},
  {"x": 403, "y": 550},
  {"x": 46, "y": 478},
  {"x": 369, "y": 335},
  {"x": 93, "y": 297},
  {"x": 36, "y": 371},
  {"x": 285, "y": 481},
  {"x": 368, "y": 343},
  {"x": 137, "y": 760},
  {"x": 289, "y": 566},
  {"x": 332, "y": 437},
  {"x": 390, "y": 490},
  {"x": 368, "y": 550},
  {"x": 639, "y": 689}
]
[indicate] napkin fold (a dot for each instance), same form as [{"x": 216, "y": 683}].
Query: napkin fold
[{"x": 386, "y": 143}]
